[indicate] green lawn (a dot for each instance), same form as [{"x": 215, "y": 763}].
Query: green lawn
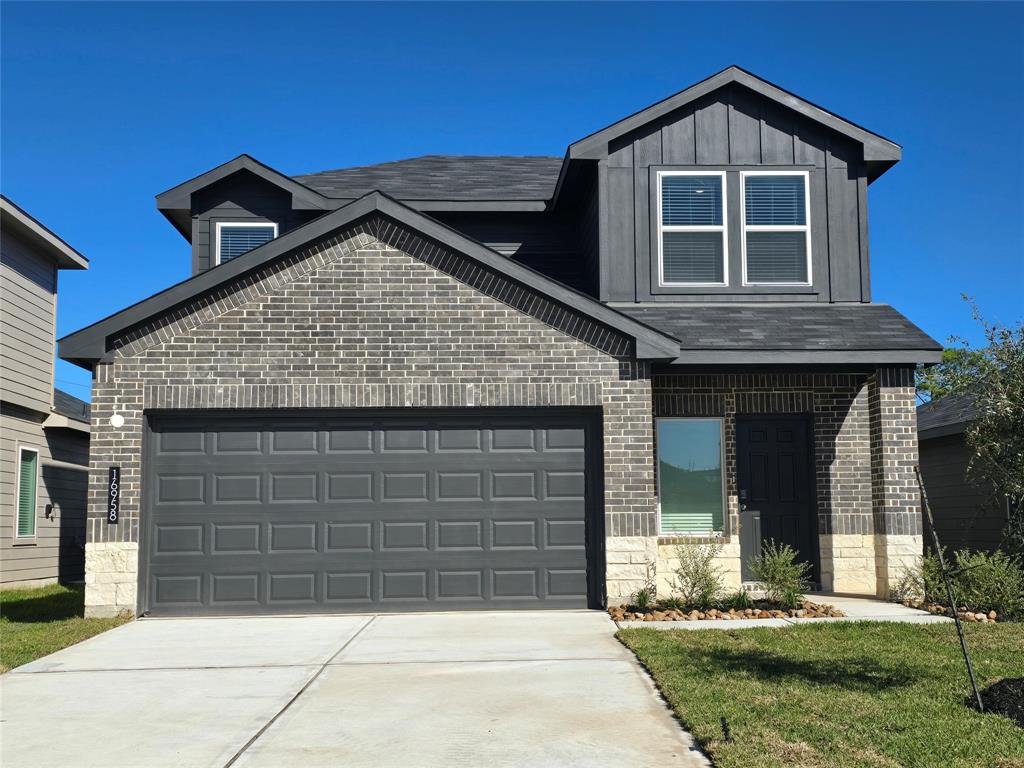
[
  {"x": 35, "y": 622},
  {"x": 842, "y": 694}
]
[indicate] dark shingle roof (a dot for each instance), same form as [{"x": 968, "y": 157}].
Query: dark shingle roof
[
  {"x": 70, "y": 406},
  {"x": 444, "y": 177},
  {"x": 786, "y": 328},
  {"x": 946, "y": 416}
]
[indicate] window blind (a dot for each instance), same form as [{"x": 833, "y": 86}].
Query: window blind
[
  {"x": 691, "y": 201},
  {"x": 692, "y": 257},
  {"x": 27, "y": 464},
  {"x": 690, "y": 488},
  {"x": 234, "y": 241},
  {"x": 777, "y": 257},
  {"x": 778, "y": 200}
]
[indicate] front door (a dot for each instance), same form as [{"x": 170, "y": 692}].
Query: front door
[{"x": 776, "y": 492}]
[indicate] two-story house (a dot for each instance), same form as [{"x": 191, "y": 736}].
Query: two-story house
[
  {"x": 44, "y": 431},
  {"x": 513, "y": 382}
]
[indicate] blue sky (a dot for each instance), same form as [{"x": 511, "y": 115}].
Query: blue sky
[{"x": 106, "y": 105}]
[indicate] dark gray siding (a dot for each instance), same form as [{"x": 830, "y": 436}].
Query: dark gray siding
[
  {"x": 28, "y": 302},
  {"x": 589, "y": 232},
  {"x": 542, "y": 241},
  {"x": 242, "y": 197},
  {"x": 965, "y": 513},
  {"x": 730, "y": 130},
  {"x": 58, "y": 548}
]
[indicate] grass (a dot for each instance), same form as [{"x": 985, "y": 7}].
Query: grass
[
  {"x": 37, "y": 622},
  {"x": 843, "y": 694}
]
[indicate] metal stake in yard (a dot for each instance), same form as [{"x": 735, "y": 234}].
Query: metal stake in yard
[{"x": 949, "y": 589}]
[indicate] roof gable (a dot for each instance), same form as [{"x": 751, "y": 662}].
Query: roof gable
[
  {"x": 91, "y": 344},
  {"x": 879, "y": 152},
  {"x": 14, "y": 220}
]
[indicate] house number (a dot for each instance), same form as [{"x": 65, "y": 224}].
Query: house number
[{"x": 113, "y": 495}]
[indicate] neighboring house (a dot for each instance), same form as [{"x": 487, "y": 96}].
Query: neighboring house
[
  {"x": 457, "y": 382},
  {"x": 967, "y": 514},
  {"x": 44, "y": 432}
]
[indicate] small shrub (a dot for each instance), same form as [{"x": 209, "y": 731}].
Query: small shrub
[
  {"x": 981, "y": 582},
  {"x": 990, "y": 582},
  {"x": 642, "y": 598},
  {"x": 672, "y": 602},
  {"x": 922, "y": 582},
  {"x": 784, "y": 578},
  {"x": 740, "y": 600},
  {"x": 696, "y": 579}
]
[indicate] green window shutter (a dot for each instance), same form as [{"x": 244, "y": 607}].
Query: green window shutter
[
  {"x": 690, "y": 488},
  {"x": 27, "y": 474}
]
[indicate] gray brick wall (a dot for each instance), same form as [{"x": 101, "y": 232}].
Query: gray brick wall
[
  {"x": 893, "y": 417},
  {"x": 374, "y": 316}
]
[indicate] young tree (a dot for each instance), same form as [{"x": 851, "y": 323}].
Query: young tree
[{"x": 993, "y": 377}]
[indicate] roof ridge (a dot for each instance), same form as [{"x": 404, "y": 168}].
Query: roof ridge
[{"x": 430, "y": 157}]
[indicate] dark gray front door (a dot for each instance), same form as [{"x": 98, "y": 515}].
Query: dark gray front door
[
  {"x": 447, "y": 511},
  {"x": 776, "y": 492}
]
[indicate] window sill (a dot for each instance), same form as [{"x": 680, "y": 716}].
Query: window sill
[
  {"x": 677, "y": 538},
  {"x": 21, "y": 543}
]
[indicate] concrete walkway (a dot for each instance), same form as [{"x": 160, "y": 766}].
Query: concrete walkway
[
  {"x": 855, "y": 608},
  {"x": 487, "y": 689}
]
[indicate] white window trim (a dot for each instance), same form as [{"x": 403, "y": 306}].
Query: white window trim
[
  {"x": 723, "y": 228},
  {"x": 806, "y": 228},
  {"x": 17, "y": 494},
  {"x": 222, "y": 224},
  {"x": 725, "y": 499}
]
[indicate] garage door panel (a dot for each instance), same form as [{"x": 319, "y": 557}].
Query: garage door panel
[{"x": 393, "y": 513}]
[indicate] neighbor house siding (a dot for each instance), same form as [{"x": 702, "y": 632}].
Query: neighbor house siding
[
  {"x": 965, "y": 510},
  {"x": 421, "y": 327},
  {"x": 732, "y": 129},
  {"x": 28, "y": 300},
  {"x": 57, "y": 550}
]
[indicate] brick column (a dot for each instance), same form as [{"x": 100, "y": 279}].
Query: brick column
[
  {"x": 895, "y": 500},
  {"x": 631, "y": 526}
]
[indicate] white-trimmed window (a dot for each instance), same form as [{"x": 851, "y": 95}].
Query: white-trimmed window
[
  {"x": 692, "y": 240},
  {"x": 237, "y": 237},
  {"x": 776, "y": 227},
  {"x": 25, "y": 495},
  {"x": 691, "y": 480}
]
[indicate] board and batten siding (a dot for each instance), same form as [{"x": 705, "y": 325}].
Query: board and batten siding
[
  {"x": 734, "y": 129},
  {"x": 28, "y": 303},
  {"x": 57, "y": 551},
  {"x": 241, "y": 198}
]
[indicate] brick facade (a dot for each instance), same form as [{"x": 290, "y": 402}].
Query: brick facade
[{"x": 374, "y": 316}]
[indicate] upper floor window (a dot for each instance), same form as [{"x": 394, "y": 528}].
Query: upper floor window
[
  {"x": 235, "y": 238},
  {"x": 776, "y": 228},
  {"x": 692, "y": 236}
]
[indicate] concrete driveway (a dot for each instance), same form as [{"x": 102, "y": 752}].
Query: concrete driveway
[{"x": 466, "y": 689}]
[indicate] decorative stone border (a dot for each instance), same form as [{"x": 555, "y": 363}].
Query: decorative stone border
[{"x": 807, "y": 610}]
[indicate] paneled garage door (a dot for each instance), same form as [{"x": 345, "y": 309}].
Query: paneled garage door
[{"x": 454, "y": 510}]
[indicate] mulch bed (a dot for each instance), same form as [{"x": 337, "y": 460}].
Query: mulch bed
[
  {"x": 760, "y": 610},
  {"x": 1004, "y": 698}
]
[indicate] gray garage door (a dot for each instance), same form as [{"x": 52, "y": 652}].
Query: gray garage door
[{"x": 339, "y": 513}]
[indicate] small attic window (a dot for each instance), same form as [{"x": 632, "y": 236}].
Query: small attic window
[{"x": 236, "y": 238}]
